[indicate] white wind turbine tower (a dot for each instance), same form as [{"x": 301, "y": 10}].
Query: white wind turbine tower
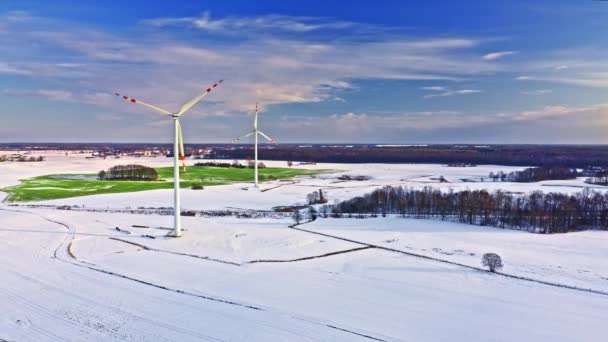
[
  {"x": 178, "y": 147},
  {"x": 255, "y": 132}
]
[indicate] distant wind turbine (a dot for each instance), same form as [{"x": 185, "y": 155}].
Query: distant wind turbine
[
  {"x": 255, "y": 132},
  {"x": 178, "y": 147}
]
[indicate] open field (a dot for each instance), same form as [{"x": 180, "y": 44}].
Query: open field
[
  {"x": 70, "y": 275},
  {"x": 73, "y": 185}
]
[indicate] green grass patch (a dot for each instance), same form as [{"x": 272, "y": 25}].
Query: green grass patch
[{"x": 74, "y": 185}]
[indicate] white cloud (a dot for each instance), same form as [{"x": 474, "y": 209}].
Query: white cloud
[
  {"x": 575, "y": 66},
  {"x": 453, "y": 92},
  {"x": 350, "y": 125},
  {"x": 266, "y": 22},
  {"x": 576, "y": 113},
  {"x": 6, "y": 68},
  {"x": 537, "y": 92},
  {"x": 433, "y": 88},
  {"x": 63, "y": 95},
  {"x": 273, "y": 69},
  {"x": 524, "y": 78},
  {"x": 496, "y": 55}
]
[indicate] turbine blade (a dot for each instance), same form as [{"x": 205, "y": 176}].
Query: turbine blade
[
  {"x": 235, "y": 140},
  {"x": 149, "y": 106},
  {"x": 272, "y": 141},
  {"x": 182, "y": 154},
  {"x": 195, "y": 100}
]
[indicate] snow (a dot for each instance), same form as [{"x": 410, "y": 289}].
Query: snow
[
  {"x": 280, "y": 192},
  {"x": 71, "y": 276},
  {"x": 574, "y": 259}
]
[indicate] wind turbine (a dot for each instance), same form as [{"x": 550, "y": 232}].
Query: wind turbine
[
  {"x": 255, "y": 132},
  {"x": 178, "y": 147}
]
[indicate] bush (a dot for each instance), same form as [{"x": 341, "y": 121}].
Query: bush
[
  {"x": 188, "y": 213},
  {"x": 358, "y": 178},
  {"x": 492, "y": 261},
  {"x": 197, "y": 187}
]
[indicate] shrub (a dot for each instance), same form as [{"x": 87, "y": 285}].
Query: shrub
[
  {"x": 492, "y": 261},
  {"x": 197, "y": 187}
]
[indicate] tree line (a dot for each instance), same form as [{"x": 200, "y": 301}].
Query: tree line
[
  {"x": 536, "y": 174},
  {"x": 600, "y": 178},
  {"x": 132, "y": 172},
  {"x": 535, "y": 212},
  {"x": 516, "y": 155},
  {"x": 21, "y": 158},
  {"x": 235, "y": 164}
]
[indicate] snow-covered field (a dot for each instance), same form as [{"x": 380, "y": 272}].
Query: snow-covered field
[{"x": 71, "y": 276}]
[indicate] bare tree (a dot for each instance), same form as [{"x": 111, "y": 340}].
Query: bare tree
[
  {"x": 297, "y": 217},
  {"x": 312, "y": 213},
  {"x": 492, "y": 261}
]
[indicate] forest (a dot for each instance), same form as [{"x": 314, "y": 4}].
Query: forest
[
  {"x": 131, "y": 172},
  {"x": 535, "y": 212},
  {"x": 513, "y": 155},
  {"x": 536, "y": 174}
]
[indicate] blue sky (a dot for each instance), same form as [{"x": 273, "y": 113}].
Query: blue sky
[{"x": 323, "y": 71}]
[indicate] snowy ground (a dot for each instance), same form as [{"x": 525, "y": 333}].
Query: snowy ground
[
  {"x": 71, "y": 276},
  {"x": 277, "y": 193}
]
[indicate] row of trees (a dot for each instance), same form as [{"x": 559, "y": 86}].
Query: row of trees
[
  {"x": 21, "y": 158},
  {"x": 133, "y": 172},
  {"x": 536, "y": 212},
  {"x": 235, "y": 164},
  {"x": 600, "y": 178},
  {"x": 536, "y": 174}
]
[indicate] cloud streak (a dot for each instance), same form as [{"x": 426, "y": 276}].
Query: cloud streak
[
  {"x": 448, "y": 92},
  {"x": 270, "y": 22},
  {"x": 497, "y": 55}
]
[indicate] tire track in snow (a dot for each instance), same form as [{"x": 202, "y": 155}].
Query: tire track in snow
[
  {"x": 355, "y": 333},
  {"x": 66, "y": 255},
  {"x": 507, "y": 275},
  {"x": 112, "y": 309},
  {"x": 311, "y": 257},
  {"x": 175, "y": 253},
  {"x": 61, "y": 252},
  {"x": 260, "y": 261}
]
